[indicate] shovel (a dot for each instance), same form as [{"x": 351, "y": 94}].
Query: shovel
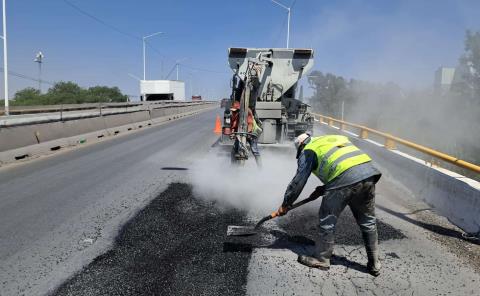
[{"x": 233, "y": 230}]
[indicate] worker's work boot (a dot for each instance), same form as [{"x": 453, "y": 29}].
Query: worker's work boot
[
  {"x": 323, "y": 252},
  {"x": 371, "y": 246}
]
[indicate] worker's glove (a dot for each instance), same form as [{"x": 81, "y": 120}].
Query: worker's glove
[
  {"x": 319, "y": 191},
  {"x": 282, "y": 210}
]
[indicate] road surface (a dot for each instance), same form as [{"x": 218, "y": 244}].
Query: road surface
[
  {"x": 60, "y": 212},
  {"x": 107, "y": 208}
]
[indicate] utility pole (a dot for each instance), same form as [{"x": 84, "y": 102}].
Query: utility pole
[
  {"x": 5, "y": 60},
  {"x": 39, "y": 59}
]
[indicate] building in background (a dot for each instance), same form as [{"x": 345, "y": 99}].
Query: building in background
[
  {"x": 443, "y": 80},
  {"x": 162, "y": 90}
]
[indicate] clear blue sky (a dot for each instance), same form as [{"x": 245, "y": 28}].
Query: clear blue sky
[{"x": 401, "y": 41}]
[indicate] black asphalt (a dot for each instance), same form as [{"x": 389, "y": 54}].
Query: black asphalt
[
  {"x": 177, "y": 245},
  {"x": 172, "y": 247}
]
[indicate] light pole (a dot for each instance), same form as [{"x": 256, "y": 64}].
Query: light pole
[
  {"x": 39, "y": 59},
  {"x": 191, "y": 82},
  {"x": 177, "y": 63},
  {"x": 5, "y": 60},
  {"x": 144, "y": 46},
  {"x": 288, "y": 22}
]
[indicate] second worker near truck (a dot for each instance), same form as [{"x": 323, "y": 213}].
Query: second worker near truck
[{"x": 349, "y": 178}]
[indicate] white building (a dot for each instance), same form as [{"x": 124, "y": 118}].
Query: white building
[
  {"x": 443, "y": 79},
  {"x": 158, "y": 90}
]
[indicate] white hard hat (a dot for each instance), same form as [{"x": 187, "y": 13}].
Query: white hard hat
[{"x": 300, "y": 139}]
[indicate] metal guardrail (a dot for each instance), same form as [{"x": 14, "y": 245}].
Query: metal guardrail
[{"x": 392, "y": 141}]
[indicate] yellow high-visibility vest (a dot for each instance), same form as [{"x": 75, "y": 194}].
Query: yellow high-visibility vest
[{"x": 335, "y": 155}]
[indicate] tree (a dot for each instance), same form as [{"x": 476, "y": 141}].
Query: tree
[
  {"x": 329, "y": 92},
  {"x": 68, "y": 93},
  {"x": 472, "y": 57},
  {"x": 26, "y": 96},
  {"x": 65, "y": 93},
  {"x": 28, "y": 93},
  {"x": 468, "y": 71},
  {"x": 105, "y": 94}
]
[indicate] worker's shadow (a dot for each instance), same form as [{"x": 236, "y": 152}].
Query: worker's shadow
[
  {"x": 298, "y": 244},
  {"x": 302, "y": 245}
]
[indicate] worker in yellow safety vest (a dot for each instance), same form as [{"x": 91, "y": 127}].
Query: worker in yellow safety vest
[{"x": 348, "y": 178}]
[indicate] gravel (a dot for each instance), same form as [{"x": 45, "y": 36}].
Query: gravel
[{"x": 175, "y": 246}]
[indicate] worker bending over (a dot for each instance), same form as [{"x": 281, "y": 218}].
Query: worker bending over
[{"x": 349, "y": 178}]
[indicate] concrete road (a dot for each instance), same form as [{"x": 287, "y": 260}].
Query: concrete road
[{"x": 60, "y": 212}]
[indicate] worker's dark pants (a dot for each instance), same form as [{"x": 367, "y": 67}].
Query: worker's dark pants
[
  {"x": 253, "y": 142},
  {"x": 360, "y": 197}
]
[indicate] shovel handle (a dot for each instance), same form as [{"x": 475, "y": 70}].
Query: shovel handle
[{"x": 294, "y": 206}]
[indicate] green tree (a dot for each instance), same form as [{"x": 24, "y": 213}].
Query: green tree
[
  {"x": 468, "y": 86},
  {"x": 472, "y": 56},
  {"x": 26, "y": 96},
  {"x": 28, "y": 93},
  {"x": 65, "y": 93},
  {"x": 105, "y": 94},
  {"x": 68, "y": 93},
  {"x": 329, "y": 92}
]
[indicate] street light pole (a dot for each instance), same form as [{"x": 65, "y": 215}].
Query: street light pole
[
  {"x": 144, "y": 49},
  {"x": 144, "y": 58},
  {"x": 288, "y": 9},
  {"x": 5, "y": 60},
  {"x": 288, "y": 29},
  {"x": 177, "y": 63}
]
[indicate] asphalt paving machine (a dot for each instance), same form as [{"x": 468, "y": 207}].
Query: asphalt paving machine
[{"x": 265, "y": 81}]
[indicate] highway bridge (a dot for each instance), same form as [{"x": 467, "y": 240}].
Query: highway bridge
[{"x": 121, "y": 214}]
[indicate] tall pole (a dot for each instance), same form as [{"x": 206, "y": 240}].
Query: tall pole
[
  {"x": 144, "y": 38},
  {"x": 177, "y": 71},
  {"x": 288, "y": 29},
  {"x": 143, "y": 58},
  {"x": 5, "y": 60},
  {"x": 39, "y": 59},
  {"x": 40, "y": 77},
  {"x": 288, "y": 9},
  {"x": 161, "y": 69}
]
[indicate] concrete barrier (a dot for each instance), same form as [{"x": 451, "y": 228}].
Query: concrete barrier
[
  {"x": 452, "y": 195},
  {"x": 18, "y": 142},
  {"x": 79, "y": 127},
  {"x": 15, "y": 137}
]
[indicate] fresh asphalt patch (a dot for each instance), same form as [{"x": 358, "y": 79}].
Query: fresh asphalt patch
[{"x": 175, "y": 246}]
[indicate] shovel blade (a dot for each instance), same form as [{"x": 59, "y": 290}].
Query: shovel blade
[{"x": 240, "y": 230}]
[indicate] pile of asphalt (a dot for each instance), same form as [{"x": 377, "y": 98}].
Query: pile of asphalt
[{"x": 175, "y": 246}]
